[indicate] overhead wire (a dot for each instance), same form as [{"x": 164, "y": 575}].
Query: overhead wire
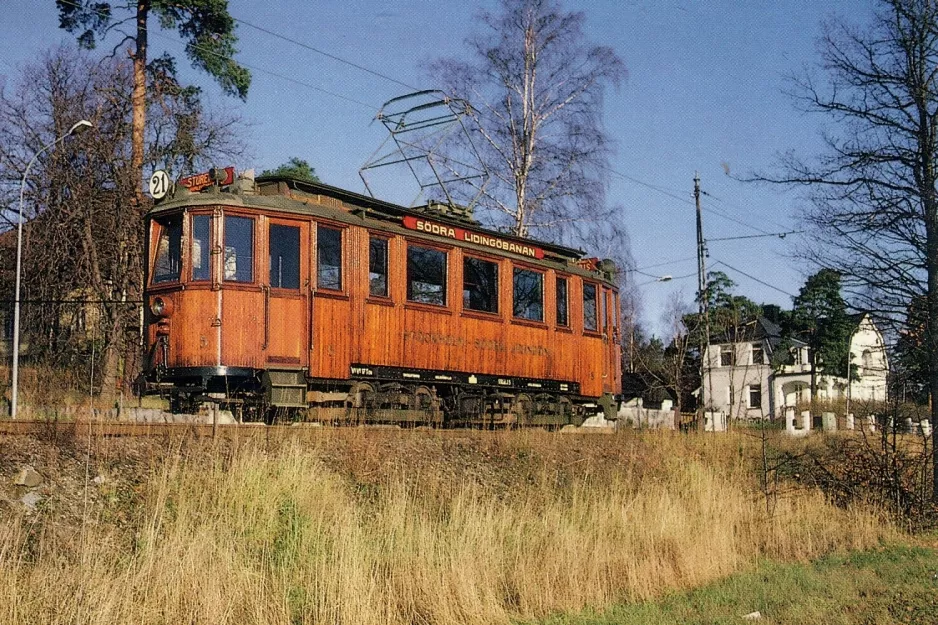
[
  {"x": 360, "y": 67},
  {"x": 753, "y": 278},
  {"x": 161, "y": 35},
  {"x": 667, "y": 262},
  {"x": 688, "y": 201},
  {"x": 326, "y": 54},
  {"x": 780, "y": 235},
  {"x": 657, "y": 188},
  {"x": 738, "y": 207}
]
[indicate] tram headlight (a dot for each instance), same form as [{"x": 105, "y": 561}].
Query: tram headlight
[{"x": 161, "y": 307}]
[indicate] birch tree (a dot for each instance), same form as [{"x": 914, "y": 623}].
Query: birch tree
[{"x": 536, "y": 87}]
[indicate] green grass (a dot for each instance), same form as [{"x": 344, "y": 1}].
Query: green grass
[{"x": 892, "y": 585}]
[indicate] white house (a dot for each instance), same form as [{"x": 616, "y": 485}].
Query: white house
[{"x": 739, "y": 382}]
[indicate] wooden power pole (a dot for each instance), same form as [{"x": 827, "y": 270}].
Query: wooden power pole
[{"x": 702, "y": 303}]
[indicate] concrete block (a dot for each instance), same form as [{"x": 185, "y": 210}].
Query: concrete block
[{"x": 714, "y": 421}]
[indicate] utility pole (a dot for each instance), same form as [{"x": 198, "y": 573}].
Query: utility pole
[{"x": 702, "y": 304}]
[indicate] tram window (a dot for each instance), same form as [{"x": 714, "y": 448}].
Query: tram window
[
  {"x": 562, "y": 319},
  {"x": 426, "y": 275},
  {"x": 479, "y": 285},
  {"x": 528, "y": 295},
  {"x": 239, "y": 249},
  {"x": 329, "y": 258},
  {"x": 201, "y": 240},
  {"x": 168, "y": 251},
  {"x": 284, "y": 257},
  {"x": 378, "y": 267},
  {"x": 589, "y": 306}
]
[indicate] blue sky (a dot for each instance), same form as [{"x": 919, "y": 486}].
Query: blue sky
[{"x": 704, "y": 93}]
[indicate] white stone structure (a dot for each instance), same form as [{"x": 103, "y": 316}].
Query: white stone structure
[
  {"x": 635, "y": 414},
  {"x": 739, "y": 382}
]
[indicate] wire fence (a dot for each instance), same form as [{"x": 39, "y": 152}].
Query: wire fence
[{"x": 74, "y": 354}]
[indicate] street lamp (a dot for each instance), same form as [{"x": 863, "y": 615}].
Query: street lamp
[{"x": 78, "y": 127}]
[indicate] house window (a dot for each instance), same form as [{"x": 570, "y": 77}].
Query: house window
[
  {"x": 726, "y": 355},
  {"x": 562, "y": 319},
  {"x": 758, "y": 357},
  {"x": 239, "y": 249},
  {"x": 378, "y": 267},
  {"x": 755, "y": 395},
  {"x": 201, "y": 240},
  {"x": 479, "y": 285},
  {"x": 528, "y": 294},
  {"x": 796, "y": 356},
  {"x": 284, "y": 257},
  {"x": 426, "y": 275},
  {"x": 329, "y": 258},
  {"x": 589, "y": 306},
  {"x": 168, "y": 251}
]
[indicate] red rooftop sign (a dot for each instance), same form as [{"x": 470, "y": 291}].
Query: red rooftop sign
[
  {"x": 450, "y": 232},
  {"x": 197, "y": 182}
]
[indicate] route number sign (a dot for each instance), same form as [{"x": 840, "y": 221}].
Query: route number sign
[{"x": 159, "y": 184}]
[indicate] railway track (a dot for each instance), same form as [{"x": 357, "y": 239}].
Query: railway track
[
  {"x": 117, "y": 429},
  {"x": 198, "y": 430}
]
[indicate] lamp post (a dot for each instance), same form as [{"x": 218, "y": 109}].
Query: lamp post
[{"x": 77, "y": 127}]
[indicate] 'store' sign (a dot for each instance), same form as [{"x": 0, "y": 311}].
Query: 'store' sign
[
  {"x": 197, "y": 182},
  {"x": 485, "y": 240}
]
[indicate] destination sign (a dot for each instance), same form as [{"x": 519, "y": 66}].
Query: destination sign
[
  {"x": 486, "y": 240},
  {"x": 197, "y": 182}
]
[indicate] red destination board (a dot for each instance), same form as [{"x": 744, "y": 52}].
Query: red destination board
[
  {"x": 197, "y": 182},
  {"x": 485, "y": 240}
]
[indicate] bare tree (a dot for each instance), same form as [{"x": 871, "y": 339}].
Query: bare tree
[
  {"x": 83, "y": 252},
  {"x": 536, "y": 87},
  {"x": 667, "y": 363},
  {"x": 874, "y": 210}
]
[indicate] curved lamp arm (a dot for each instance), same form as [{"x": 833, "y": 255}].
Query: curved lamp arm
[{"x": 77, "y": 128}]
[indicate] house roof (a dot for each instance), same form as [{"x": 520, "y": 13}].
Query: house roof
[
  {"x": 634, "y": 385},
  {"x": 759, "y": 329}
]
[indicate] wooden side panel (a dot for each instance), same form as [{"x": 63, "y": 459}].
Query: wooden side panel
[
  {"x": 589, "y": 366},
  {"x": 382, "y": 339},
  {"x": 397, "y": 333},
  {"x": 287, "y": 343},
  {"x": 192, "y": 336},
  {"x": 332, "y": 338},
  {"x": 242, "y": 327}
]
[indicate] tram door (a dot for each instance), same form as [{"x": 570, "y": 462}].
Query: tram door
[{"x": 286, "y": 293}]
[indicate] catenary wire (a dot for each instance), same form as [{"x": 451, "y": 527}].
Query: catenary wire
[
  {"x": 360, "y": 67},
  {"x": 753, "y": 278},
  {"x": 326, "y": 54},
  {"x": 161, "y": 35}
]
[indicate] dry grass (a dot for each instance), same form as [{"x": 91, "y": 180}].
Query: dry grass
[{"x": 413, "y": 527}]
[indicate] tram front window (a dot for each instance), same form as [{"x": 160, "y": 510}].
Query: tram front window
[{"x": 168, "y": 262}]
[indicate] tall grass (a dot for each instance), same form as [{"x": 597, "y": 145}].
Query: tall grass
[{"x": 285, "y": 533}]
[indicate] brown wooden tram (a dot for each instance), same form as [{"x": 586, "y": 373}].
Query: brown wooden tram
[{"x": 279, "y": 296}]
